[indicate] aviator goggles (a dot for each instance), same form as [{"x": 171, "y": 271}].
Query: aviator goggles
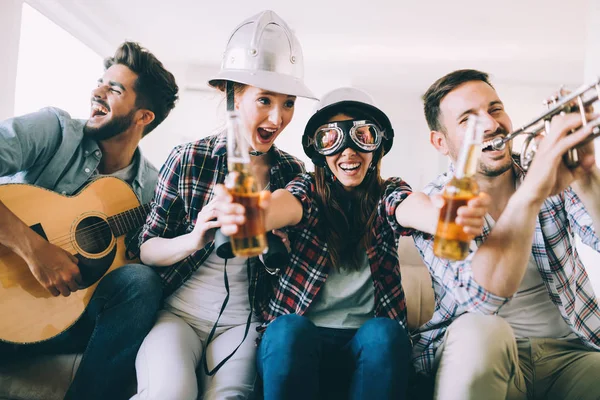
[{"x": 333, "y": 137}]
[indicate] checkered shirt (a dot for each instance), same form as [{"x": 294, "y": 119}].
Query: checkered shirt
[
  {"x": 185, "y": 185},
  {"x": 456, "y": 291},
  {"x": 300, "y": 282}
]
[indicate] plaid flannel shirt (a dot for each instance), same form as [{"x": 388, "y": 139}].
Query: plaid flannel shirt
[
  {"x": 457, "y": 292},
  {"x": 307, "y": 271},
  {"x": 185, "y": 185}
]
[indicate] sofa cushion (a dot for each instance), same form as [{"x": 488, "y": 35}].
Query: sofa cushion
[
  {"x": 416, "y": 282},
  {"x": 44, "y": 377}
]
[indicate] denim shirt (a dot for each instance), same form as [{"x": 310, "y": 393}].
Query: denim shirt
[{"x": 48, "y": 149}]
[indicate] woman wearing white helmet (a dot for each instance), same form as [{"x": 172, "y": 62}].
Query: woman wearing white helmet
[
  {"x": 337, "y": 320},
  {"x": 262, "y": 74}
]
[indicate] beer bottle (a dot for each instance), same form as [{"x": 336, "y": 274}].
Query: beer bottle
[
  {"x": 251, "y": 239},
  {"x": 451, "y": 241}
]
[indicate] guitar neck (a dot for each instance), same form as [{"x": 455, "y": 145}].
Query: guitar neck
[{"x": 129, "y": 220}]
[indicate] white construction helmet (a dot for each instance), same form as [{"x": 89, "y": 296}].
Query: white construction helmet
[{"x": 263, "y": 52}]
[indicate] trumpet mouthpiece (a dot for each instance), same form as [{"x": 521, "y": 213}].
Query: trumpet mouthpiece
[
  {"x": 498, "y": 144},
  {"x": 495, "y": 144}
]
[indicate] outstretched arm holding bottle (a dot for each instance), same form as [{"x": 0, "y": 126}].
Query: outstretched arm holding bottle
[{"x": 417, "y": 211}]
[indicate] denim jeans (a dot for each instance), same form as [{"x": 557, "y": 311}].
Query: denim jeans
[
  {"x": 298, "y": 360},
  {"x": 109, "y": 333}
]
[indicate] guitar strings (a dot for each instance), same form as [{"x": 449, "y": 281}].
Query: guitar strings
[
  {"x": 84, "y": 233},
  {"x": 88, "y": 238},
  {"x": 89, "y": 229},
  {"x": 68, "y": 240},
  {"x": 87, "y": 232}
]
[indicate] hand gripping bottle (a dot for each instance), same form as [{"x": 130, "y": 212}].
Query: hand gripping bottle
[
  {"x": 451, "y": 242},
  {"x": 251, "y": 239}
]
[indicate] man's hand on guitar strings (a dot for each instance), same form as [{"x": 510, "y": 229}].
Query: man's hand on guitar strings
[{"x": 54, "y": 268}]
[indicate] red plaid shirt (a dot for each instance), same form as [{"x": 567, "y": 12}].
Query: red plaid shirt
[
  {"x": 185, "y": 185},
  {"x": 309, "y": 264}
]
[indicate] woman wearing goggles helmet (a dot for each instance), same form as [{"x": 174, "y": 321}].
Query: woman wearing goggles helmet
[
  {"x": 262, "y": 74},
  {"x": 336, "y": 326},
  {"x": 347, "y": 137}
]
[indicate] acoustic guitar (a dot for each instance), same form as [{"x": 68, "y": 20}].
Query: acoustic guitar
[{"x": 90, "y": 225}]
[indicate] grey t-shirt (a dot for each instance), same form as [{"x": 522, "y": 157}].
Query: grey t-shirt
[
  {"x": 127, "y": 174},
  {"x": 346, "y": 300},
  {"x": 531, "y": 312}
]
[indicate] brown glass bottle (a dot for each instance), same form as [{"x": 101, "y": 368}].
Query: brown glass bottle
[
  {"x": 451, "y": 241},
  {"x": 251, "y": 239}
]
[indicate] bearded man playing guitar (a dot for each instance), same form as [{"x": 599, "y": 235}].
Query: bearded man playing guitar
[{"x": 50, "y": 150}]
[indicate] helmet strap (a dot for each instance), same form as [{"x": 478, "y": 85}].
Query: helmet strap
[
  {"x": 231, "y": 105},
  {"x": 330, "y": 175},
  {"x": 229, "y": 94},
  {"x": 374, "y": 162}
]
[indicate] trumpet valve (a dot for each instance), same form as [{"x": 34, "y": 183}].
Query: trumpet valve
[{"x": 552, "y": 100}]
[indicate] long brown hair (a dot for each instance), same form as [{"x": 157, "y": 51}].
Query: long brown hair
[{"x": 347, "y": 217}]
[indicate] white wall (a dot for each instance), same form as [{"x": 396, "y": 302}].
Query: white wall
[
  {"x": 591, "y": 259},
  {"x": 43, "y": 79},
  {"x": 10, "y": 28}
]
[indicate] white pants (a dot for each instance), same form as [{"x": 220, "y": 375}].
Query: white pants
[{"x": 167, "y": 360}]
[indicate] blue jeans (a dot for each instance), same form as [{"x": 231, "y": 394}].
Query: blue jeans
[
  {"x": 109, "y": 333},
  {"x": 298, "y": 360}
]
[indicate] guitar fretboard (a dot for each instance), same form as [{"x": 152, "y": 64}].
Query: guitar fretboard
[{"x": 129, "y": 220}]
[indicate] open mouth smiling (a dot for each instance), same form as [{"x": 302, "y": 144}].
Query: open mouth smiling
[
  {"x": 99, "y": 110},
  {"x": 346, "y": 166}
]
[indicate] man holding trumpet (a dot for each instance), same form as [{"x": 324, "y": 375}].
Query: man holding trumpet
[{"x": 518, "y": 318}]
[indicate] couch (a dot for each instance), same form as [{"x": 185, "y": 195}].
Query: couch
[{"x": 48, "y": 377}]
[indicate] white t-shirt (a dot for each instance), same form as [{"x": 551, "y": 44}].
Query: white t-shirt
[{"x": 199, "y": 300}]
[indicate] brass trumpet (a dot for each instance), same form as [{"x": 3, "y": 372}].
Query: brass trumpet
[{"x": 577, "y": 101}]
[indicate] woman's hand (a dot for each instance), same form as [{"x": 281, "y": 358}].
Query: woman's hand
[
  {"x": 284, "y": 238},
  {"x": 421, "y": 212},
  {"x": 206, "y": 224},
  {"x": 230, "y": 215},
  {"x": 471, "y": 216}
]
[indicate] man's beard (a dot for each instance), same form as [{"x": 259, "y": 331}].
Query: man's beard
[
  {"x": 115, "y": 126},
  {"x": 484, "y": 169},
  {"x": 498, "y": 170},
  {"x": 492, "y": 172}
]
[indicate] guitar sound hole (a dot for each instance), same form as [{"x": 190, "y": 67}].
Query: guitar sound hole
[{"x": 93, "y": 235}]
